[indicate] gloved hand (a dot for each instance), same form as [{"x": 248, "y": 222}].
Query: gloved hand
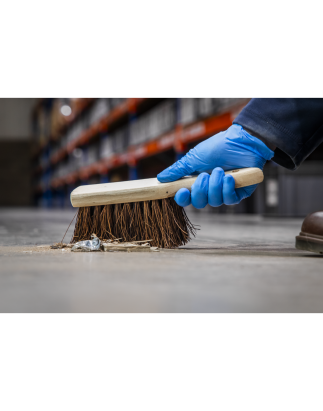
[{"x": 228, "y": 150}]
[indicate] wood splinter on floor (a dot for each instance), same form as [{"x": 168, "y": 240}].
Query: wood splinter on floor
[
  {"x": 128, "y": 246},
  {"x": 59, "y": 246}
]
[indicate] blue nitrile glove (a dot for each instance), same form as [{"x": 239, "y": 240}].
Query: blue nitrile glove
[{"x": 228, "y": 150}]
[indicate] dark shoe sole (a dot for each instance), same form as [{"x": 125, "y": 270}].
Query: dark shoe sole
[{"x": 306, "y": 242}]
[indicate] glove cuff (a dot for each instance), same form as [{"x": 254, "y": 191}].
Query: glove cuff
[{"x": 258, "y": 146}]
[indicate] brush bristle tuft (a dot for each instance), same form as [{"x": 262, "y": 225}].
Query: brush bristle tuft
[{"x": 162, "y": 221}]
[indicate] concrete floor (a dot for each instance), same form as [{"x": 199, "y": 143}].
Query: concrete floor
[{"x": 236, "y": 264}]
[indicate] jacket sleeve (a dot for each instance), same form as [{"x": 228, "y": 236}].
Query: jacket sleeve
[{"x": 293, "y": 125}]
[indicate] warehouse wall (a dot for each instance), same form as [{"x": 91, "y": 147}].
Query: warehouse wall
[
  {"x": 15, "y": 118},
  {"x": 15, "y": 149}
]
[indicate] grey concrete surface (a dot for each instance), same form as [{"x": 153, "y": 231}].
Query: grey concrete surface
[{"x": 237, "y": 263}]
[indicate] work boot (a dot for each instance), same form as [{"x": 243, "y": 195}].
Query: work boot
[{"x": 311, "y": 236}]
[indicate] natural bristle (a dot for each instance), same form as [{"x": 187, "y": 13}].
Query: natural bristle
[{"x": 162, "y": 221}]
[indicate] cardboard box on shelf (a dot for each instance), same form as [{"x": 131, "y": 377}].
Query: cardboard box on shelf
[
  {"x": 225, "y": 104},
  {"x": 106, "y": 146},
  {"x": 76, "y": 159},
  {"x": 114, "y": 102},
  {"x": 91, "y": 154},
  {"x": 100, "y": 108},
  {"x": 153, "y": 124},
  {"x": 188, "y": 110},
  {"x": 205, "y": 107},
  {"x": 120, "y": 139}
]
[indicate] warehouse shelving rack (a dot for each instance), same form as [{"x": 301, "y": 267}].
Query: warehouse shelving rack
[
  {"x": 81, "y": 104},
  {"x": 177, "y": 141}
]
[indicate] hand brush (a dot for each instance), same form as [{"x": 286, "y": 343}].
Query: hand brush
[{"x": 141, "y": 209}]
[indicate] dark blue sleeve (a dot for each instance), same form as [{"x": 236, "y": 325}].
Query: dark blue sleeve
[{"x": 293, "y": 125}]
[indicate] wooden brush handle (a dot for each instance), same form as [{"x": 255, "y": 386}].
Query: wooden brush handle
[{"x": 149, "y": 189}]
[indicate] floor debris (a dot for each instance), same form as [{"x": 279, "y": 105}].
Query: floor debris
[
  {"x": 88, "y": 245},
  {"x": 95, "y": 244},
  {"x": 58, "y": 246},
  {"x": 129, "y": 247}
]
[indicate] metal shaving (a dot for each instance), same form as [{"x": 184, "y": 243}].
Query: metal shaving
[{"x": 88, "y": 245}]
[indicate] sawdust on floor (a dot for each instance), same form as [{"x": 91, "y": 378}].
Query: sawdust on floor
[{"x": 31, "y": 249}]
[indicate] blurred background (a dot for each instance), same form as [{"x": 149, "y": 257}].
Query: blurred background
[{"x": 48, "y": 146}]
